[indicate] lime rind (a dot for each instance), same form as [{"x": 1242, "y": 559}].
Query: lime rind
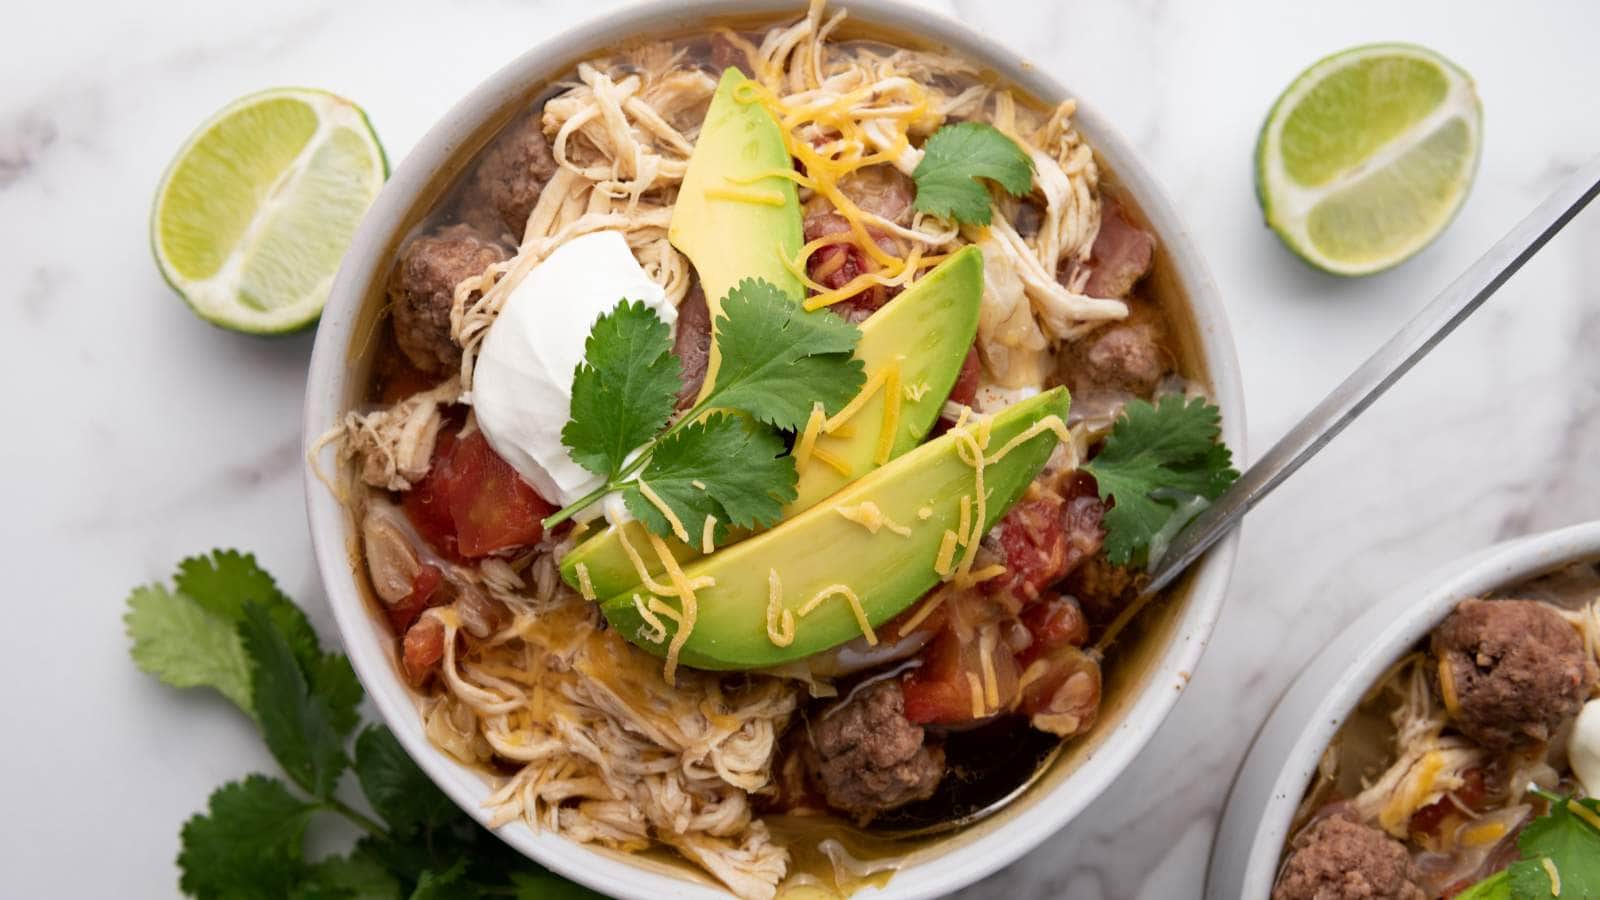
[
  {"x": 222, "y": 297},
  {"x": 1291, "y": 208}
]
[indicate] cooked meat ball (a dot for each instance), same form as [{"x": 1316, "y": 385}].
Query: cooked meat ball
[
  {"x": 1337, "y": 859},
  {"x": 422, "y": 289},
  {"x": 1517, "y": 668},
  {"x": 509, "y": 179},
  {"x": 866, "y": 758}
]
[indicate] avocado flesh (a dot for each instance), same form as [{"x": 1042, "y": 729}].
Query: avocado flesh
[
  {"x": 729, "y": 239},
  {"x": 927, "y": 331},
  {"x": 820, "y": 548}
]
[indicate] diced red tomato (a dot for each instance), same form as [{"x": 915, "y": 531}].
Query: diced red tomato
[
  {"x": 492, "y": 507},
  {"x": 424, "y": 593},
  {"x": 1054, "y": 622},
  {"x": 940, "y": 691},
  {"x": 1034, "y": 543},
  {"x": 472, "y": 503},
  {"x": 422, "y": 649}
]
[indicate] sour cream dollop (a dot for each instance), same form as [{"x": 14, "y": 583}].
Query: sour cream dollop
[
  {"x": 1583, "y": 750},
  {"x": 522, "y": 383}
]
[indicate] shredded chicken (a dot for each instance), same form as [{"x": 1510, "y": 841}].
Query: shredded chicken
[{"x": 393, "y": 445}]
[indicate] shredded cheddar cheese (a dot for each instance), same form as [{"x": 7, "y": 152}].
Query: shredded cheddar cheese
[
  {"x": 915, "y": 392},
  {"x": 1554, "y": 875},
  {"x": 698, "y": 484},
  {"x": 678, "y": 531},
  {"x": 1447, "y": 688},
  {"x": 808, "y": 437},
  {"x": 925, "y": 513},
  {"x": 708, "y": 543},
  {"x": 1583, "y": 812},
  {"x": 947, "y": 552},
  {"x": 831, "y": 461},
  {"x": 975, "y": 691},
  {"x": 843, "y": 590},
  {"x": 874, "y": 382},
  {"x": 966, "y": 520},
  {"x": 993, "y": 570},
  {"x": 1480, "y": 835},
  {"x": 658, "y": 629},
  {"x": 780, "y": 621},
  {"x": 639, "y": 568},
  {"x": 688, "y": 607},
  {"x": 585, "y": 586},
  {"x": 923, "y": 612},
  {"x": 869, "y": 516},
  {"x": 891, "y": 413},
  {"x": 1414, "y": 790}
]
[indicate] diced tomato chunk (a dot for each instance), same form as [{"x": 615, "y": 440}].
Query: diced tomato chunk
[
  {"x": 1054, "y": 622},
  {"x": 472, "y": 503},
  {"x": 492, "y": 507},
  {"x": 937, "y": 691},
  {"x": 1034, "y": 542},
  {"x": 424, "y": 593},
  {"x": 422, "y": 649},
  {"x": 941, "y": 690}
]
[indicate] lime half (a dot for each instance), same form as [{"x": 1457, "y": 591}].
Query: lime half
[
  {"x": 254, "y": 214},
  {"x": 1368, "y": 155}
]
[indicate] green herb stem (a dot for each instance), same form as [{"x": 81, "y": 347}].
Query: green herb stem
[
  {"x": 365, "y": 823},
  {"x": 627, "y": 472}
]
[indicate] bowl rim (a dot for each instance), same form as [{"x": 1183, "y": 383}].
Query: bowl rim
[
  {"x": 1285, "y": 752},
  {"x": 1017, "y": 831}
]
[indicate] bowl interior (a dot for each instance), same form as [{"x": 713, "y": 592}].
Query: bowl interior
[
  {"x": 1148, "y": 674},
  {"x": 1281, "y": 762}
]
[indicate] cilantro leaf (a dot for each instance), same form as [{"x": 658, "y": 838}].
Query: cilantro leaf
[
  {"x": 444, "y": 884},
  {"x": 1169, "y": 446},
  {"x": 1569, "y": 842},
  {"x": 305, "y": 713},
  {"x": 396, "y": 787},
  {"x": 625, "y": 389},
  {"x": 250, "y": 842},
  {"x": 955, "y": 157},
  {"x": 180, "y": 643},
  {"x": 745, "y": 472},
  {"x": 777, "y": 359},
  {"x": 223, "y": 582},
  {"x": 359, "y": 876}
]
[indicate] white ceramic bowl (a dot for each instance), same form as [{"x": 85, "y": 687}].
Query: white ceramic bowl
[
  {"x": 1279, "y": 766},
  {"x": 1141, "y": 688}
]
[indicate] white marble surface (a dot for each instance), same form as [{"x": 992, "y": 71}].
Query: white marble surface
[{"x": 136, "y": 434}]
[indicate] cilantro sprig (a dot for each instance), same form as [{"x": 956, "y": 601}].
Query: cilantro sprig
[
  {"x": 776, "y": 361},
  {"x": 224, "y": 624},
  {"x": 1566, "y": 839},
  {"x": 1155, "y": 456},
  {"x": 955, "y": 157}
]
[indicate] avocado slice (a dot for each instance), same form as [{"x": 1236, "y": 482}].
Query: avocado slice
[
  {"x": 926, "y": 331},
  {"x": 734, "y": 217},
  {"x": 820, "y": 548}
]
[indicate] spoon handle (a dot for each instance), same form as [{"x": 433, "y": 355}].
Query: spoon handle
[{"x": 1368, "y": 382}]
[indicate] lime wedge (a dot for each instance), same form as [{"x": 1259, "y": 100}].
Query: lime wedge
[
  {"x": 1368, "y": 155},
  {"x": 254, "y": 214}
]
